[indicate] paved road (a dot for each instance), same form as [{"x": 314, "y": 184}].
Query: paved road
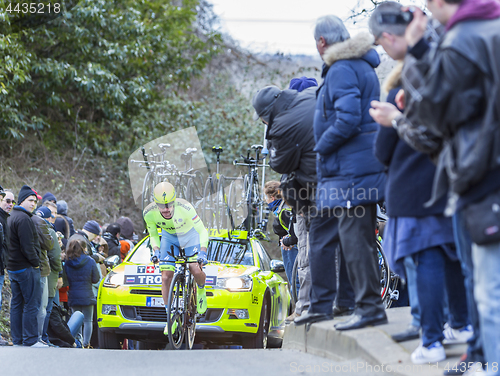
[{"x": 18, "y": 361}]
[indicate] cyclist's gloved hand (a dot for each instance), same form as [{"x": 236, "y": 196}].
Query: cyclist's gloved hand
[
  {"x": 156, "y": 257},
  {"x": 202, "y": 258}
]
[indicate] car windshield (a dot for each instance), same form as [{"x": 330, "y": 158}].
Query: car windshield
[{"x": 218, "y": 250}]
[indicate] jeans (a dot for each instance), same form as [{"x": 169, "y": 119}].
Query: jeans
[
  {"x": 486, "y": 260},
  {"x": 303, "y": 272},
  {"x": 45, "y": 337},
  {"x": 411, "y": 281},
  {"x": 42, "y": 312},
  {"x": 435, "y": 271},
  {"x": 88, "y": 313},
  {"x": 464, "y": 251},
  {"x": 24, "y": 305},
  {"x": 289, "y": 257},
  {"x": 75, "y": 323}
]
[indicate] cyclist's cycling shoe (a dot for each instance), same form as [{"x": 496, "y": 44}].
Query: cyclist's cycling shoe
[
  {"x": 174, "y": 327},
  {"x": 201, "y": 304}
]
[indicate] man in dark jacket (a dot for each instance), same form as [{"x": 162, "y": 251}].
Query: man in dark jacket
[
  {"x": 24, "y": 271},
  {"x": 457, "y": 101},
  {"x": 112, "y": 237},
  {"x": 350, "y": 180},
  {"x": 289, "y": 116}
]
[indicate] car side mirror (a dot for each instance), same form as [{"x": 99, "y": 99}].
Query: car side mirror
[
  {"x": 112, "y": 261},
  {"x": 277, "y": 266}
]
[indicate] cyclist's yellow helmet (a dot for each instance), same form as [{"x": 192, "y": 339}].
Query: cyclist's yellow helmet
[{"x": 164, "y": 193}]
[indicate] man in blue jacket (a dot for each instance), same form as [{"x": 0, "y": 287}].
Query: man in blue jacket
[{"x": 350, "y": 179}]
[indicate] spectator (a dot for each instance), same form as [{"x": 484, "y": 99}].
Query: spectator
[
  {"x": 49, "y": 197},
  {"x": 350, "y": 179},
  {"x": 55, "y": 275},
  {"x": 408, "y": 187},
  {"x": 3, "y": 237},
  {"x": 62, "y": 333},
  {"x": 288, "y": 115},
  {"x": 127, "y": 230},
  {"x": 463, "y": 69},
  {"x": 283, "y": 227},
  {"x": 64, "y": 224},
  {"x": 82, "y": 272},
  {"x": 24, "y": 271},
  {"x": 112, "y": 237},
  {"x": 46, "y": 243}
]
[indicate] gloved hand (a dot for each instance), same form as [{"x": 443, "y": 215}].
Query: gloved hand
[
  {"x": 156, "y": 257},
  {"x": 202, "y": 258}
]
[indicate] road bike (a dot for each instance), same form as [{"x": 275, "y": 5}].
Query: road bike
[{"x": 181, "y": 305}]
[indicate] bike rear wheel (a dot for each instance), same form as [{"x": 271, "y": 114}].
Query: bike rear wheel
[
  {"x": 176, "y": 312},
  {"x": 385, "y": 276},
  {"x": 147, "y": 190},
  {"x": 208, "y": 209}
]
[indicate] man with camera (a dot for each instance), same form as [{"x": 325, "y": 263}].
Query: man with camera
[
  {"x": 430, "y": 258},
  {"x": 458, "y": 102}
]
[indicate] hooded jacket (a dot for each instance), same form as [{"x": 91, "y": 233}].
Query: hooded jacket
[
  {"x": 81, "y": 272},
  {"x": 24, "y": 250},
  {"x": 290, "y": 135},
  {"x": 348, "y": 172}
]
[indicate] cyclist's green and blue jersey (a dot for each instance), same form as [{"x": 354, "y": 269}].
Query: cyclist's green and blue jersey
[{"x": 185, "y": 229}]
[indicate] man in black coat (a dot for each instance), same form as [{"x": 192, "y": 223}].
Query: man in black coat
[
  {"x": 112, "y": 237},
  {"x": 289, "y": 116},
  {"x": 24, "y": 271}
]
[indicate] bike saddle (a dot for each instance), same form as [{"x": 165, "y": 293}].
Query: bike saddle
[
  {"x": 217, "y": 149},
  {"x": 191, "y": 150},
  {"x": 257, "y": 147}
]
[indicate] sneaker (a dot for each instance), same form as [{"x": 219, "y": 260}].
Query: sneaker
[
  {"x": 412, "y": 332},
  {"x": 40, "y": 344},
  {"x": 174, "y": 328},
  {"x": 452, "y": 336},
  {"x": 432, "y": 354},
  {"x": 474, "y": 369},
  {"x": 292, "y": 317},
  {"x": 4, "y": 342},
  {"x": 202, "y": 300}
]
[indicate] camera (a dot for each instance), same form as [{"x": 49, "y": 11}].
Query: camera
[{"x": 403, "y": 18}]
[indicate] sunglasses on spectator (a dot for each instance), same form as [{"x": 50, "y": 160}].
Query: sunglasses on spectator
[
  {"x": 9, "y": 201},
  {"x": 163, "y": 206}
]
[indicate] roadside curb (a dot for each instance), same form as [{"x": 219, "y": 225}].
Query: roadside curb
[{"x": 373, "y": 344}]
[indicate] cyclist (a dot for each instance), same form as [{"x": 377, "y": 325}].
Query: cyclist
[{"x": 181, "y": 227}]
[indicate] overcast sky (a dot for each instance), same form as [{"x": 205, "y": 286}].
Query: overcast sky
[{"x": 284, "y": 25}]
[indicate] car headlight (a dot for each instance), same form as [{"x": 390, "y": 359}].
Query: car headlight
[
  {"x": 243, "y": 283},
  {"x": 113, "y": 280}
]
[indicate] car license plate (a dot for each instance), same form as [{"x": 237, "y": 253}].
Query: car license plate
[{"x": 158, "y": 302}]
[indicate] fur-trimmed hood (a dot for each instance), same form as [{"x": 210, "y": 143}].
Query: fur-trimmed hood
[
  {"x": 353, "y": 48},
  {"x": 393, "y": 79}
]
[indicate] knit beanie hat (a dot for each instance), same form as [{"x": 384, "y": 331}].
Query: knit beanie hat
[
  {"x": 127, "y": 227},
  {"x": 24, "y": 193},
  {"x": 44, "y": 212},
  {"x": 49, "y": 197},
  {"x": 113, "y": 228},
  {"x": 302, "y": 83},
  {"x": 92, "y": 227}
]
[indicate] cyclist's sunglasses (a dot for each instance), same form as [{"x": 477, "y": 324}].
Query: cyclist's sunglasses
[
  {"x": 163, "y": 206},
  {"x": 9, "y": 201}
]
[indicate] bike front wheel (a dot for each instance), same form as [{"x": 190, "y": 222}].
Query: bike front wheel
[
  {"x": 190, "y": 313},
  {"x": 176, "y": 312}
]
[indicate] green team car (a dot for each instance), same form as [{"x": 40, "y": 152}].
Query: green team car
[{"x": 247, "y": 300}]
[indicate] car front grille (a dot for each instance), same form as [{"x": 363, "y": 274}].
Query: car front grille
[{"x": 158, "y": 314}]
